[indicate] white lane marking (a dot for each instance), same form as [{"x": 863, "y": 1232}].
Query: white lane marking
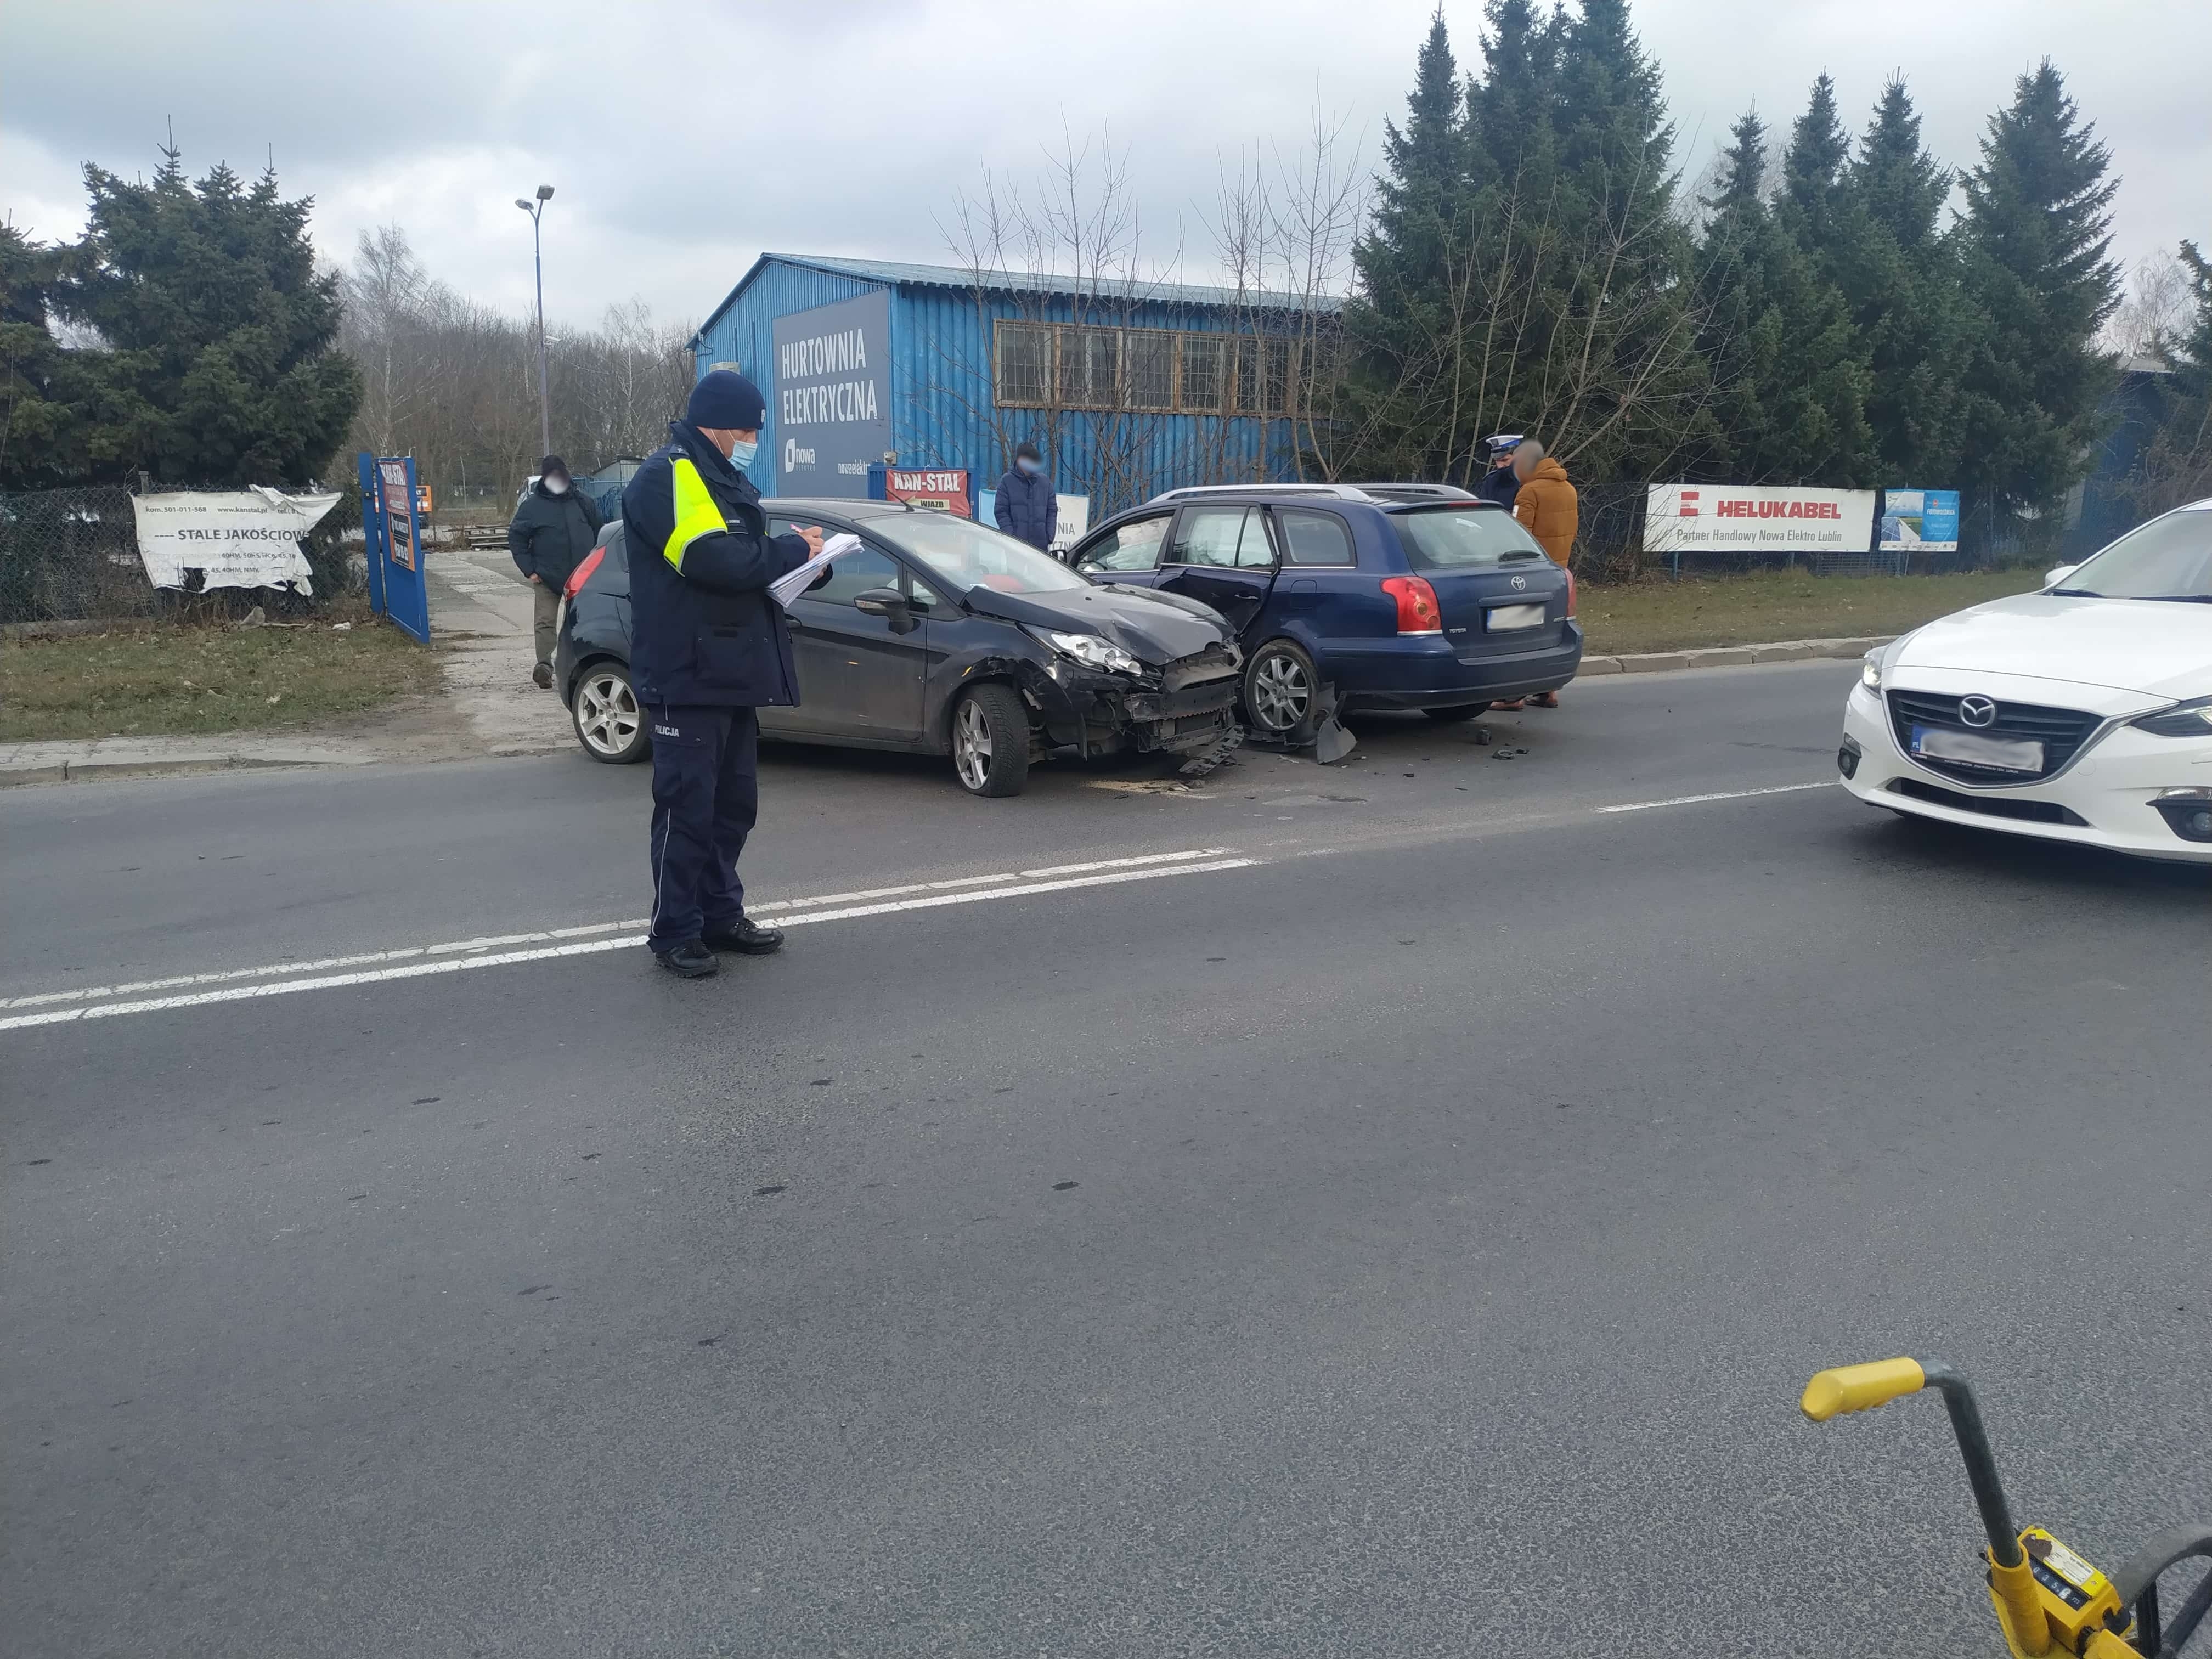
[
  {"x": 1123, "y": 864},
  {"x": 408, "y": 953},
  {"x": 454, "y": 965},
  {"x": 880, "y": 892},
  {"x": 1725, "y": 794}
]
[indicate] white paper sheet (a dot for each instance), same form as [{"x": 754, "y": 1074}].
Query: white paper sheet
[{"x": 784, "y": 589}]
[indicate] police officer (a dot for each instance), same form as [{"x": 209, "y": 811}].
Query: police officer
[
  {"x": 1499, "y": 484},
  {"x": 707, "y": 647}
]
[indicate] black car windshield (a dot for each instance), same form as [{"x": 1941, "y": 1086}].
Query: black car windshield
[
  {"x": 965, "y": 554},
  {"x": 2168, "y": 558},
  {"x": 1462, "y": 537}
]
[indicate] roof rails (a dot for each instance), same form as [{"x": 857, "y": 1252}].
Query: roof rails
[
  {"x": 1342, "y": 492},
  {"x": 1418, "y": 492},
  {"x": 1339, "y": 492}
]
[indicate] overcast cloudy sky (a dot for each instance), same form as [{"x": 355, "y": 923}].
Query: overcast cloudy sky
[{"x": 684, "y": 139}]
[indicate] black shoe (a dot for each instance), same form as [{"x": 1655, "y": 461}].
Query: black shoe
[
  {"x": 692, "y": 959},
  {"x": 543, "y": 674},
  {"x": 746, "y": 939}
]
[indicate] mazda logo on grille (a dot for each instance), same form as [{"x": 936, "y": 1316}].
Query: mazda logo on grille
[
  {"x": 1977, "y": 711},
  {"x": 1520, "y": 582}
]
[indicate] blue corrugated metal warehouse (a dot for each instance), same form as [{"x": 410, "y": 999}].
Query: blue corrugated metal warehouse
[{"x": 1126, "y": 388}]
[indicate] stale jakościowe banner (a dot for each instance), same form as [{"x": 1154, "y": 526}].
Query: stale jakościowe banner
[{"x": 234, "y": 538}]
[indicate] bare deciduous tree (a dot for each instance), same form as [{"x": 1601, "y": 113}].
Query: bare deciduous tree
[{"x": 454, "y": 382}]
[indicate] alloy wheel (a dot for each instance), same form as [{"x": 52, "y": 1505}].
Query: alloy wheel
[
  {"x": 971, "y": 744},
  {"x": 1280, "y": 692},
  {"x": 606, "y": 714}
]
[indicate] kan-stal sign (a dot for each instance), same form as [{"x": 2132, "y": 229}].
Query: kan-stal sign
[
  {"x": 942, "y": 489},
  {"x": 1757, "y": 519}
]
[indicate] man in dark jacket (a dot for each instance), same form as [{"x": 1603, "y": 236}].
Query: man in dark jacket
[
  {"x": 1499, "y": 484},
  {"x": 1024, "y": 505},
  {"x": 707, "y": 648},
  {"x": 553, "y": 528}
]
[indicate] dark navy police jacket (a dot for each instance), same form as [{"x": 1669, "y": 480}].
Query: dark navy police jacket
[
  {"x": 703, "y": 630},
  {"x": 1499, "y": 485},
  {"x": 1026, "y": 506}
]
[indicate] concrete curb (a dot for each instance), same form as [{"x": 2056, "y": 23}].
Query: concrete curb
[
  {"x": 74, "y": 771},
  {"x": 1729, "y": 656}
]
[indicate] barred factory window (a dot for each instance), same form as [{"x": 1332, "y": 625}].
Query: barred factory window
[
  {"x": 1202, "y": 380},
  {"x": 1090, "y": 367},
  {"x": 1149, "y": 369},
  {"x": 1024, "y": 368}
]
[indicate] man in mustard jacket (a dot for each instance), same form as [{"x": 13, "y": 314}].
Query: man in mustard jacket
[{"x": 1550, "y": 511}]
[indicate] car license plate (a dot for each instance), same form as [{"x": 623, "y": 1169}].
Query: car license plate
[
  {"x": 1503, "y": 616},
  {"x": 1969, "y": 748}
]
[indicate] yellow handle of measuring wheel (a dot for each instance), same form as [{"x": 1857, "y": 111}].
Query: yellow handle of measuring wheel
[{"x": 1859, "y": 1388}]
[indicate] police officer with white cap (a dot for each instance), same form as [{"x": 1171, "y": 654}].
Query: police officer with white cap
[{"x": 1498, "y": 485}]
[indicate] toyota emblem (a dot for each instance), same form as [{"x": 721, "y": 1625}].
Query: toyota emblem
[
  {"x": 1977, "y": 711},
  {"x": 1520, "y": 582}
]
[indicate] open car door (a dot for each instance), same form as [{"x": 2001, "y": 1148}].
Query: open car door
[{"x": 1222, "y": 555}]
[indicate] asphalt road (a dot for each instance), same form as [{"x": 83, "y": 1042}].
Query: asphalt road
[{"x": 1407, "y": 1235}]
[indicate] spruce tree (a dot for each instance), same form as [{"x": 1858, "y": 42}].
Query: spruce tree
[
  {"x": 221, "y": 367},
  {"x": 1509, "y": 121},
  {"x": 1400, "y": 320},
  {"x": 1559, "y": 304},
  {"x": 1822, "y": 218},
  {"x": 2176, "y": 465},
  {"x": 1788, "y": 387},
  {"x": 1812, "y": 172},
  {"x": 1620, "y": 367},
  {"x": 1900, "y": 186},
  {"x": 2035, "y": 246},
  {"x": 39, "y": 407},
  {"x": 1903, "y": 289}
]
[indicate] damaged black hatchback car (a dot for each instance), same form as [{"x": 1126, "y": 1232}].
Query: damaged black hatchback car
[{"x": 940, "y": 637}]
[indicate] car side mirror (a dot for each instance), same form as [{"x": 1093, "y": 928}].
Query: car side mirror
[
  {"x": 889, "y": 603},
  {"x": 2058, "y": 574}
]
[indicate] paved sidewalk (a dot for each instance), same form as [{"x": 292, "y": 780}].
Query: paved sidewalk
[{"x": 480, "y": 608}]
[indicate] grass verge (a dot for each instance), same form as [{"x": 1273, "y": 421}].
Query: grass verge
[
  {"x": 1778, "y": 605},
  {"x": 165, "y": 679}
]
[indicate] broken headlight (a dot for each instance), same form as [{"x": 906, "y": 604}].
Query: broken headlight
[{"x": 1091, "y": 651}]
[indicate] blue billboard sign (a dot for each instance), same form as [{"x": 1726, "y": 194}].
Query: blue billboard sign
[
  {"x": 832, "y": 396},
  {"x": 1926, "y": 520}
]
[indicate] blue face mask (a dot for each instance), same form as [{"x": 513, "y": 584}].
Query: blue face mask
[
  {"x": 742, "y": 452},
  {"x": 1028, "y": 466}
]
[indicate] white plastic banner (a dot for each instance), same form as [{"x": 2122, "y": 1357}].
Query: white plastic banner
[
  {"x": 1067, "y": 530},
  {"x": 1757, "y": 519},
  {"x": 239, "y": 538}
]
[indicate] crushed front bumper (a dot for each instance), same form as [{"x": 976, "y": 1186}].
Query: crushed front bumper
[{"x": 1084, "y": 712}]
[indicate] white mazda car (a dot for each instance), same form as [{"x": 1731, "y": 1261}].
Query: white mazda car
[{"x": 2082, "y": 713}]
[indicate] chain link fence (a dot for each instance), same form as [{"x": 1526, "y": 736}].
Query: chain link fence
[{"x": 72, "y": 555}]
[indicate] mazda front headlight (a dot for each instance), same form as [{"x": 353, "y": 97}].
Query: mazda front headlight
[{"x": 2183, "y": 720}]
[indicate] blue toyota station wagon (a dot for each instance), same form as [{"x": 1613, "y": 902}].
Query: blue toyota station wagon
[{"x": 1403, "y": 596}]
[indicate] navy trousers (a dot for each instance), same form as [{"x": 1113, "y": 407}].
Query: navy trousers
[{"x": 705, "y": 793}]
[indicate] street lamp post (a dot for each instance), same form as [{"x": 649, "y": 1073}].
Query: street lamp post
[{"x": 537, "y": 211}]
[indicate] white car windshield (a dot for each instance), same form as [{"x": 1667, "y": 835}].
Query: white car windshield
[
  {"x": 2168, "y": 558},
  {"x": 967, "y": 556}
]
